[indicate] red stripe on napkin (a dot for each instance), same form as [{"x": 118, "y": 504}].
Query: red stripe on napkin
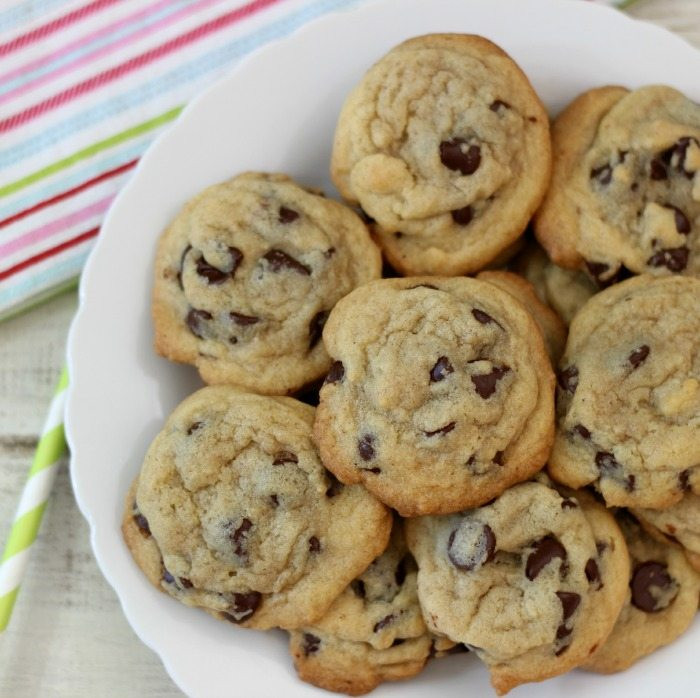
[
  {"x": 69, "y": 192},
  {"x": 134, "y": 63},
  {"x": 48, "y": 253},
  {"x": 53, "y": 26}
]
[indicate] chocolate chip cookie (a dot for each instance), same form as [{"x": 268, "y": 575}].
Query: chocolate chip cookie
[
  {"x": 564, "y": 290},
  {"x": 662, "y": 601},
  {"x": 373, "y": 632},
  {"x": 234, "y": 512},
  {"x": 246, "y": 275},
  {"x": 625, "y": 188},
  {"x": 550, "y": 324},
  {"x": 445, "y": 144},
  {"x": 440, "y": 394},
  {"x": 628, "y": 405},
  {"x": 532, "y": 582},
  {"x": 678, "y": 525}
]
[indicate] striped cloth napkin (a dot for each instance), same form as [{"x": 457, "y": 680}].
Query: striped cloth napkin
[{"x": 84, "y": 89}]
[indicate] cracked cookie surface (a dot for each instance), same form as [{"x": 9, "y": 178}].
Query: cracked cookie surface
[
  {"x": 626, "y": 184},
  {"x": 373, "y": 632},
  {"x": 532, "y": 582},
  {"x": 440, "y": 395},
  {"x": 234, "y": 512},
  {"x": 628, "y": 403},
  {"x": 662, "y": 600},
  {"x": 446, "y": 145},
  {"x": 246, "y": 275}
]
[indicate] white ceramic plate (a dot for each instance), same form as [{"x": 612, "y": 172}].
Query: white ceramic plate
[{"x": 277, "y": 112}]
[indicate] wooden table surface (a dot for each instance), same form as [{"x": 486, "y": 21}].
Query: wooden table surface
[{"x": 68, "y": 636}]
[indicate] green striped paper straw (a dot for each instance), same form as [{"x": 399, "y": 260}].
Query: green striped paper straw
[{"x": 51, "y": 447}]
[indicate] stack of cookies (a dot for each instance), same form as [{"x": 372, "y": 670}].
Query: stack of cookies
[{"x": 506, "y": 462}]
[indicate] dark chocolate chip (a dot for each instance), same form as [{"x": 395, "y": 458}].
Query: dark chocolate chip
[
  {"x": 310, "y": 644},
  {"x": 657, "y": 170},
  {"x": 239, "y": 538},
  {"x": 498, "y": 458},
  {"x": 142, "y": 523},
  {"x": 485, "y": 383},
  {"x": 182, "y": 264},
  {"x": 316, "y": 328},
  {"x": 681, "y": 220},
  {"x": 476, "y": 545},
  {"x": 569, "y": 603},
  {"x": 193, "y": 427},
  {"x": 563, "y": 631},
  {"x": 602, "y": 174},
  {"x": 287, "y": 215},
  {"x": 482, "y": 317},
  {"x": 442, "y": 430},
  {"x": 213, "y": 275},
  {"x": 194, "y": 321},
  {"x": 441, "y": 369},
  {"x": 358, "y": 587},
  {"x": 314, "y": 545},
  {"x": 646, "y": 577},
  {"x": 233, "y": 339},
  {"x": 673, "y": 258},
  {"x": 582, "y": 432},
  {"x": 546, "y": 550},
  {"x": 453, "y": 156},
  {"x": 499, "y": 104},
  {"x": 366, "y": 447},
  {"x": 398, "y": 641},
  {"x": 593, "y": 573},
  {"x": 679, "y": 150},
  {"x": 167, "y": 577},
  {"x": 244, "y": 605},
  {"x": 569, "y": 504},
  {"x": 243, "y": 320},
  {"x": 638, "y": 356},
  {"x": 463, "y": 216},
  {"x": 600, "y": 546},
  {"x": 186, "y": 583},
  {"x": 274, "y": 500},
  {"x": 607, "y": 464},
  {"x": 568, "y": 379},
  {"x": 329, "y": 252},
  {"x": 684, "y": 480},
  {"x": 336, "y": 373},
  {"x": 280, "y": 261},
  {"x": 236, "y": 258},
  {"x": 383, "y": 623},
  {"x": 282, "y": 457}
]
